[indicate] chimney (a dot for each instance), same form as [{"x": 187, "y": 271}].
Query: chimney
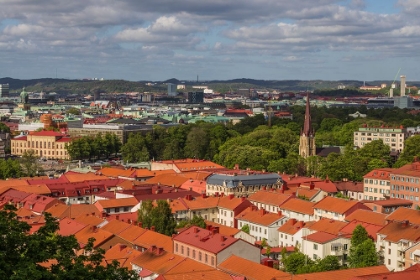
[
  {"x": 231, "y": 196},
  {"x": 122, "y": 247},
  {"x": 203, "y": 195},
  {"x": 208, "y": 227},
  {"x": 279, "y": 213},
  {"x": 159, "y": 251},
  {"x": 140, "y": 224},
  {"x": 236, "y": 166},
  {"x": 117, "y": 217},
  {"x": 216, "y": 194},
  {"x": 222, "y": 194},
  {"x": 152, "y": 228},
  {"x": 405, "y": 223},
  {"x": 215, "y": 230},
  {"x": 311, "y": 186},
  {"x": 262, "y": 211},
  {"x": 243, "y": 198},
  {"x": 222, "y": 238},
  {"x": 94, "y": 228},
  {"x": 152, "y": 248},
  {"x": 196, "y": 229},
  {"x": 103, "y": 214}
]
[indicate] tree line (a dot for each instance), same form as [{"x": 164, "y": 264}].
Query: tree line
[{"x": 252, "y": 144}]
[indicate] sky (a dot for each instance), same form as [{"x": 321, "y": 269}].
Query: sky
[{"x": 213, "y": 39}]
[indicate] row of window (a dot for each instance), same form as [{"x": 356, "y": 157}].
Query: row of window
[
  {"x": 50, "y": 153},
  {"x": 376, "y": 182},
  {"x": 405, "y": 179},
  {"x": 380, "y": 134},
  {"x": 194, "y": 255},
  {"x": 42, "y": 145},
  {"x": 406, "y": 188},
  {"x": 254, "y": 228},
  {"x": 375, "y": 190},
  {"x": 408, "y": 197}
]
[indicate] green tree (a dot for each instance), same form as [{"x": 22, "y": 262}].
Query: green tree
[
  {"x": 29, "y": 163},
  {"x": 245, "y": 228},
  {"x": 197, "y": 143},
  {"x": 135, "y": 149},
  {"x": 4, "y": 128},
  {"x": 73, "y": 111},
  {"x": 411, "y": 150},
  {"x": 159, "y": 216},
  {"x": 328, "y": 263},
  {"x": 195, "y": 221},
  {"x": 362, "y": 251},
  {"x": 21, "y": 253},
  {"x": 10, "y": 169},
  {"x": 296, "y": 261}
]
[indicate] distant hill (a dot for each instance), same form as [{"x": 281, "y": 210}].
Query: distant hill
[{"x": 224, "y": 86}]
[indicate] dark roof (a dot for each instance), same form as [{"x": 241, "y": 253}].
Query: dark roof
[
  {"x": 247, "y": 180},
  {"x": 324, "y": 152},
  {"x": 125, "y": 121}
]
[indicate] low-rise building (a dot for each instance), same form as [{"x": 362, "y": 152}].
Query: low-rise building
[
  {"x": 212, "y": 248},
  {"x": 336, "y": 208},
  {"x": 46, "y": 144},
  {"x": 262, "y": 225},
  {"x": 377, "y": 184},
  {"x": 269, "y": 200},
  {"x": 393, "y": 137},
  {"x": 298, "y": 209}
]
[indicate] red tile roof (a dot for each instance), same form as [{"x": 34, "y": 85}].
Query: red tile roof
[
  {"x": 69, "y": 227},
  {"x": 238, "y": 266},
  {"x": 269, "y": 197},
  {"x": 396, "y": 231},
  {"x": 205, "y": 239},
  {"x": 122, "y": 254},
  {"x": 367, "y": 216},
  {"x": 337, "y": 205},
  {"x": 402, "y": 214},
  {"x": 320, "y": 237},
  {"x": 259, "y": 216},
  {"x": 370, "y": 228},
  {"x": 291, "y": 226},
  {"x": 342, "y": 273},
  {"x": 299, "y": 206},
  {"x": 327, "y": 225}
]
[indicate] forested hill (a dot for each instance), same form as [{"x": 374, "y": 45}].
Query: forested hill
[{"x": 224, "y": 86}]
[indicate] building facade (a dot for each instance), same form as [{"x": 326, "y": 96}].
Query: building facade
[
  {"x": 393, "y": 137},
  {"x": 377, "y": 184},
  {"x": 46, "y": 144}
]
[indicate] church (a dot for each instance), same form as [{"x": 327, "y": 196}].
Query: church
[{"x": 307, "y": 146}]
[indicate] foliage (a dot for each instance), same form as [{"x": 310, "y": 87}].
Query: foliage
[
  {"x": 29, "y": 163},
  {"x": 21, "y": 253},
  {"x": 158, "y": 216},
  {"x": 298, "y": 263},
  {"x": 245, "y": 228},
  {"x": 195, "y": 221},
  {"x": 88, "y": 147},
  {"x": 411, "y": 150},
  {"x": 4, "y": 128},
  {"x": 73, "y": 111},
  {"x": 362, "y": 251},
  {"x": 10, "y": 168}
]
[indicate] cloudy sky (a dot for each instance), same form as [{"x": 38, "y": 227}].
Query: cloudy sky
[{"x": 215, "y": 39}]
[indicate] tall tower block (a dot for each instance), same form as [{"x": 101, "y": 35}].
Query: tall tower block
[
  {"x": 307, "y": 146},
  {"x": 402, "y": 85}
]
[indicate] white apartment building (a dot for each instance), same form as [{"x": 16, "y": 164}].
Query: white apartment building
[
  {"x": 262, "y": 224},
  {"x": 393, "y": 137},
  {"x": 377, "y": 184},
  {"x": 290, "y": 233}
]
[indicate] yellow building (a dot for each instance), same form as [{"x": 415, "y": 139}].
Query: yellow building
[{"x": 46, "y": 144}]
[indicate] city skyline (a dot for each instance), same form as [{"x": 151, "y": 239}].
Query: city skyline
[{"x": 216, "y": 40}]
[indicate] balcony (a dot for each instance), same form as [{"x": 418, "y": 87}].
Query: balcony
[{"x": 336, "y": 252}]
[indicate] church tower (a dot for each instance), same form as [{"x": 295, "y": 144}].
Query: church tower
[{"x": 307, "y": 135}]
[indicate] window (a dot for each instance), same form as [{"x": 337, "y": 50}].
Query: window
[
  {"x": 315, "y": 256},
  {"x": 182, "y": 249},
  {"x": 176, "y": 247},
  {"x": 389, "y": 261},
  {"x": 188, "y": 252},
  {"x": 206, "y": 258},
  {"x": 199, "y": 256},
  {"x": 345, "y": 246},
  {"x": 212, "y": 260},
  {"x": 389, "y": 251},
  {"x": 315, "y": 246},
  {"x": 193, "y": 254}
]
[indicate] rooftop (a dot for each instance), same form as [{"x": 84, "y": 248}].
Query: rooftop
[
  {"x": 367, "y": 216},
  {"x": 337, "y": 205},
  {"x": 299, "y": 206},
  {"x": 270, "y": 197},
  {"x": 259, "y": 216},
  {"x": 231, "y": 181}
]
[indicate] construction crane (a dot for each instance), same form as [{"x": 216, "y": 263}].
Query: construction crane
[{"x": 395, "y": 78}]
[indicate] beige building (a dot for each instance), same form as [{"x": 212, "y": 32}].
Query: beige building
[
  {"x": 46, "y": 144},
  {"x": 376, "y": 184},
  {"x": 393, "y": 137}
]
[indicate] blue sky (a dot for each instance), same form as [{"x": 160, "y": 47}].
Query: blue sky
[{"x": 215, "y": 39}]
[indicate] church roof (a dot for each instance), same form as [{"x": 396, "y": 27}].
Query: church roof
[{"x": 307, "y": 129}]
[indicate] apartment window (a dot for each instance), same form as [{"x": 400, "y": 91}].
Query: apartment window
[
  {"x": 389, "y": 261},
  {"x": 188, "y": 252},
  {"x": 212, "y": 260},
  {"x": 199, "y": 256},
  {"x": 176, "y": 247},
  {"x": 366, "y": 189},
  {"x": 315, "y": 256},
  {"x": 389, "y": 251},
  {"x": 193, "y": 254},
  {"x": 206, "y": 258},
  {"x": 345, "y": 246},
  {"x": 315, "y": 246},
  {"x": 182, "y": 249}
]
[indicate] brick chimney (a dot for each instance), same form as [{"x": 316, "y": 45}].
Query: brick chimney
[
  {"x": 152, "y": 228},
  {"x": 122, "y": 247},
  {"x": 196, "y": 229},
  {"x": 215, "y": 230},
  {"x": 159, "y": 251},
  {"x": 231, "y": 196},
  {"x": 262, "y": 211}
]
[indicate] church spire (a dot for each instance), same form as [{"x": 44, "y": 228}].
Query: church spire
[{"x": 307, "y": 129}]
